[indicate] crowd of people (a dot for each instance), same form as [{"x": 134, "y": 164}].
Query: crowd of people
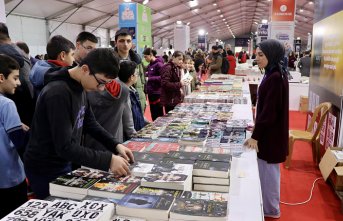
[{"x": 78, "y": 103}]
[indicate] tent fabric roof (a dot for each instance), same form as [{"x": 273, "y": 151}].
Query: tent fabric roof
[{"x": 217, "y": 17}]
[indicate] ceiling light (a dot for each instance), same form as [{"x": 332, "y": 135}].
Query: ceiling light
[
  {"x": 188, "y": 23},
  {"x": 310, "y": 2},
  {"x": 127, "y": 0},
  {"x": 214, "y": 4},
  {"x": 195, "y": 10},
  {"x": 225, "y": 22},
  {"x": 193, "y": 3},
  {"x": 256, "y": 22},
  {"x": 255, "y": 32},
  {"x": 179, "y": 22},
  {"x": 201, "y": 32},
  {"x": 301, "y": 10},
  {"x": 264, "y": 21},
  {"x": 218, "y": 10},
  {"x": 145, "y": 2},
  {"x": 224, "y": 19},
  {"x": 221, "y": 16}
]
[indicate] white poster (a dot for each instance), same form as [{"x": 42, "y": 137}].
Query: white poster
[
  {"x": 331, "y": 129},
  {"x": 283, "y": 32},
  {"x": 322, "y": 132}
]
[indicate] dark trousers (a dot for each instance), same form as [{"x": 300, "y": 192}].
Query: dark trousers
[
  {"x": 12, "y": 198},
  {"x": 39, "y": 182},
  {"x": 156, "y": 108},
  {"x": 168, "y": 108}
]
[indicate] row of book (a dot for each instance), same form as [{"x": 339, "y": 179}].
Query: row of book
[{"x": 132, "y": 207}]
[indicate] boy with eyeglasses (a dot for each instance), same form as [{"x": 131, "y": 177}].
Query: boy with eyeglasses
[
  {"x": 62, "y": 115},
  {"x": 85, "y": 42}
]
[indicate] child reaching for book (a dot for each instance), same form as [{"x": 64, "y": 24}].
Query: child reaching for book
[{"x": 13, "y": 138}]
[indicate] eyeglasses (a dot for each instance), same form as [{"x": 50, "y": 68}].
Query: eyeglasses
[
  {"x": 88, "y": 48},
  {"x": 101, "y": 84}
]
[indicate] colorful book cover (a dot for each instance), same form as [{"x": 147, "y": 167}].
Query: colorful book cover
[
  {"x": 196, "y": 207},
  {"x": 157, "y": 191},
  {"x": 163, "y": 147},
  {"x": 114, "y": 187},
  {"x": 221, "y": 197},
  {"x": 73, "y": 181},
  {"x": 165, "y": 177},
  {"x": 136, "y": 146},
  {"x": 146, "y": 201}
]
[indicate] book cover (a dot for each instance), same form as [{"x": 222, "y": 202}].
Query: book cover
[
  {"x": 91, "y": 210},
  {"x": 58, "y": 210},
  {"x": 157, "y": 191},
  {"x": 215, "y": 157},
  {"x": 140, "y": 169},
  {"x": 198, "y": 208},
  {"x": 146, "y": 201},
  {"x": 111, "y": 189},
  {"x": 164, "y": 177},
  {"x": 136, "y": 146},
  {"x": 130, "y": 179},
  {"x": 221, "y": 197},
  {"x": 163, "y": 147},
  {"x": 172, "y": 161},
  {"x": 28, "y": 211},
  {"x": 172, "y": 167},
  {"x": 147, "y": 157},
  {"x": 211, "y": 169},
  {"x": 70, "y": 183},
  {"x": 182, "y": 155},
  {"x": 92, "y": 173}
]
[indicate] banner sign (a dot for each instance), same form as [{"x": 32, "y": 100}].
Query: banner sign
[{"x": 283, "y": 10}]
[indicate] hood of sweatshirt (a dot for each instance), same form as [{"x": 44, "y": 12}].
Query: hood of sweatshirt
[
  {"x": 62, "y": 74},
  {"x": 38, "y": 71}
]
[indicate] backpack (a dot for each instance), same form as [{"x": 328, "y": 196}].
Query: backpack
[{"x": 225, "y": 65}]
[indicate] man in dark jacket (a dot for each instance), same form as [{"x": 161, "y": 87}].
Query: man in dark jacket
[
  {"x": 62, "y": 114},
  {"x": 305, "y": 64},
  {"x": 270, "y": 135}
]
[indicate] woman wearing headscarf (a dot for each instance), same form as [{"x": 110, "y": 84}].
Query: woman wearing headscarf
[{"x": 270, "y": 134}]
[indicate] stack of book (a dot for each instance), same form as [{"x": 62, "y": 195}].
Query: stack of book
[
  {"x": 150, "y": 207},
  {"x": 211, "y": 172}
]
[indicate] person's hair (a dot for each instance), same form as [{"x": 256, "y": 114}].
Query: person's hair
[
  {"x": 84, "y": 36},
  {"x": 102, "y": 61},
  {"x": 56, "y": 45},
  {"x": 23, "y": 46},
  {"x": 214, "y": 47},
  {"x": 4, "y": 38},
  {"x": 229, "y": 52},
  {"x": 7, "y": 65},
  {"x": 186, "y": 58},
  {"x": 177, "y": 54},
  {"x": 220, "y": 47},
  {"x": 149, "y": 51},
  {"x": 127, "y": 69},
  {"x": 121, "y": 32},
  {"x": 4, "y": 29}
]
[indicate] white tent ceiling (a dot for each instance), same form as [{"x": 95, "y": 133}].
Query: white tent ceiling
[{"x": 214, "y": 16}]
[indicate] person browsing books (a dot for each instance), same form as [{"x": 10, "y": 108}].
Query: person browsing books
[
  {"x": 172, "y": 85},
  {"x": 63, "y": 114},
  {"x": 270, "y": 134},
  {"x": 13, "y": 138}
]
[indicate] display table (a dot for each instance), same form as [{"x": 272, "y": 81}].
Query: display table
[{"x": 245, "y": 199}]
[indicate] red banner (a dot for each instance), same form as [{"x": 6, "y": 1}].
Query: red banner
[{"x": 283, "y": 10}]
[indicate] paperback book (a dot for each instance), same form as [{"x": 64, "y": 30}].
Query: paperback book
[
  {"x": 211, "y": 169},
  {"x": 115, "y": 190},
  {"x": 195, "y": 209},
  {"x": 157, "y": 191},
  {"x": 221, "y": 197},
  {"x": 145, "y": 206}
]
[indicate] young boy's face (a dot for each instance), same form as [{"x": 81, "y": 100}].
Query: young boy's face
[
  {"x": 69, "y": 58},
  {"x": 9, "y": 84},
  {"x": 124, "y": 44}
]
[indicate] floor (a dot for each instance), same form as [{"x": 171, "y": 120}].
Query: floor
[{"x": 297, "y": 181}]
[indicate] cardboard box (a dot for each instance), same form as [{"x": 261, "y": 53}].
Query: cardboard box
[
  {"x": 332, "y": 168},
  {"x": 303, "y": 104}
]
